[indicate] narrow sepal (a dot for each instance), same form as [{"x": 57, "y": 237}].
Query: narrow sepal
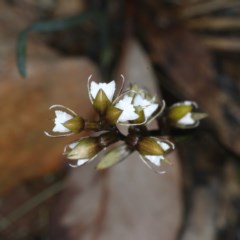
[
  {"x": 113, "y": 114},
  {"x": 199, "y": 116},
  {"x": 141, "y": 117},
  {"x": 75, "y": 124},
  {"x": 101, "y": 102}
]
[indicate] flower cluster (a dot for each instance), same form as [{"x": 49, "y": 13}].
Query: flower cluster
[{"x": 134, "y": 108}]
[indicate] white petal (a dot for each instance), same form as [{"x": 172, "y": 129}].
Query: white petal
[
  {"x": 108, "y": 88},
  {"x": 73, "y": 144},
  {"x": 155, "y": 159},
  {"x": 186, "y": 120},
  {"x": 164, "y": 146},
  {"x": 123, "y": 103},
  {"x": 186, "y": 103},
  {"x": 128, "y": 109},
  {"x": 140, "y": 101},
  {"x": 61, "y": 117},
  {"x": 149, "y": 110},
  {"x": 79, "y": 163},
  {"x": 60, "y": 128},
  {"x": 148, "y": 106},
  {"x": 190, "y": 103},
  {"x": 82, "y": 161},
  {"x": 94, "y": 88},
  {"x": 70, "y": 146}
]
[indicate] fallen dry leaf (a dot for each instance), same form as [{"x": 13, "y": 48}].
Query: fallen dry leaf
[
  {"x": 128, "y": 201},
  {"x": 25, "y": 151}
]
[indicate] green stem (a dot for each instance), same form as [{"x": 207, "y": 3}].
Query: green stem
[{"x": 93, "y": 125}]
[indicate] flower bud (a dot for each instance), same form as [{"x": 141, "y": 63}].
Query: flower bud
[
  {"x": 75, "y": 124},
  {"x": 78, "y": 162},
  {"x": 101, "y": 102},
  {"x": 152, "y": 152},
  {"x": 149, "y": 146},
  {"x": 181, "y": 115},
  {"x": 101, "y": 95},
  {"x": 86, "y": 148},
  {"x": 66, "y": 122}
]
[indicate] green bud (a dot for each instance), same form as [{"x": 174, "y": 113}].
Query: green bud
[
  {"x": 175, "y": 113},
  {"x": 75, "y": 124},
  {"x": 101, "y": 102},
  {"x": 149, "y": 146},
  {"x": 112, "y": 114},
  {"x": 86, "y": 148},
  {"x": 181, "y": 115}
]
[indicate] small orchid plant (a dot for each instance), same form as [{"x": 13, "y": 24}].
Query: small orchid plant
[{"x": 134, "y": 108}]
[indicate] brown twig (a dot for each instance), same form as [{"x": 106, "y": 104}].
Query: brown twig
[
  {"x": 208, "y": 7},
  {"x": 221, "y": 43},
  {"x": 214, "y": 23},
  {"x": 30, "y": 204}
]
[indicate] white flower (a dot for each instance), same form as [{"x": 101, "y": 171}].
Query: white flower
[
  {"x": 108, "y": 89},
  {"x": 188, "y": 118},
  {"x": 182, "y": 115},
  {"x": 130, "y": 103},
  {"x": 148, "y": 106},
  {"x": 128, "y": 110},
  {"x": 154, "y": 161},
  {"x": 66, "y": 122},
  {"x": 79, "y": 162},
  {"x": 60, "y": 119}
]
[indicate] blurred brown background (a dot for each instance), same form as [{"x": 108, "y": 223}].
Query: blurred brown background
[{"x": 182, "y": 49}]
